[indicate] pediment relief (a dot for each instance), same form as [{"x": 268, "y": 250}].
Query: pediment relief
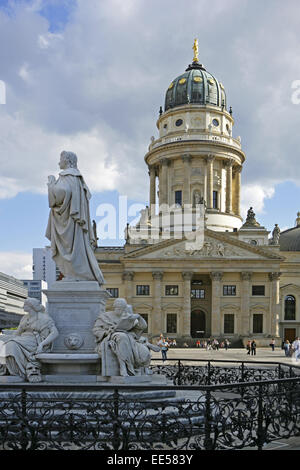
[
  {"x": 216, "y": 245},
  {"x": 211, "y": 248}
]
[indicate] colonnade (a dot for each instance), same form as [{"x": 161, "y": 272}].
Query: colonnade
[{"x": 232, "y": 186}]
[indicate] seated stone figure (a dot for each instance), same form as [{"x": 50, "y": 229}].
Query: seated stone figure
[
  {"x": 34, "y": 334},
  {"x": 120, "y": 344}
]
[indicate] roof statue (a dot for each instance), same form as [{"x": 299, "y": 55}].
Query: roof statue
[{"x": 196, "y": 51}]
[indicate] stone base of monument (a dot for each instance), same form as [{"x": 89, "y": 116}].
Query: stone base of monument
[
  {"x": 10, "y": 379},
  {"x": 74, "y": 306},
  {"x": 69, "y": 367}
]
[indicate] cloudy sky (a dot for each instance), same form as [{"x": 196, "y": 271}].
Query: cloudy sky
[{"x": 90, "y": 75}]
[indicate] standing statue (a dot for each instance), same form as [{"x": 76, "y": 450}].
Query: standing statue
[
  {"x": 275, "y": 235},
  {"x": 69, "y": 227},
  {"x": 34, "y": 335},
  {"x": 120, "y": 344},
  {"x": 95, "y": 241}
]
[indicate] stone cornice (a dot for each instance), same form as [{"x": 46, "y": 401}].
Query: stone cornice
[{"x": 176, "y": 147}]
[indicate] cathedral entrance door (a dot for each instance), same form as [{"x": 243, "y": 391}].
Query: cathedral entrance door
[
  {"x": 290, "y": 334},
  {"x": 198, "y": 324}
]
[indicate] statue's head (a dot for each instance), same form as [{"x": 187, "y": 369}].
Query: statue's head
[
  {"x": 120, "y": 305},
  {"x": 32, "y": 304},
  {"x": 67, "y": 160}
]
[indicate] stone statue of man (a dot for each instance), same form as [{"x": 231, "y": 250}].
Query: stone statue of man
[
  {"x": 69, "y": 226},
  {"x": 120, "y": 344}
]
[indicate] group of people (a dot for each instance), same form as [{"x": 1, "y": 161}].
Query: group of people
[
  {"x": 251, "y": 347},
  {"x": 212, "y": 344},
  {"x": 292, "y": 349}
]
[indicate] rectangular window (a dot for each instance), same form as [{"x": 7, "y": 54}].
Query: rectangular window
[
  {"x": 258, "y": 290},
  {"x": 229, "y": 290},
  {"x": 142, "y": 290},
  {"x": 257, "y": 323},
  {"x": 178, "y": 198},
  {"x": 171, "y": 290},
  {"x": 171, "y": 323},
  {"x": 198, "y": 293},
  {"x": 145, "y": 317},
  {"x": 114, "y": 292},
  {"x": 215, "y": 199},
  {"x": 229, "y": 323}
]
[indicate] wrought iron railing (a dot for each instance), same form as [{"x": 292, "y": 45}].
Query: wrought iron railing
[
  {"x": 219, "y": 371},
  {"x": 227, "y": 415}
]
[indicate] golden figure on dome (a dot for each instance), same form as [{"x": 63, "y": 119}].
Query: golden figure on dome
[{"x": 196, "y": 51}]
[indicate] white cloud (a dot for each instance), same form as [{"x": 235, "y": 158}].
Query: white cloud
[
  {"x": 254, "y": 195},
  {"x": 96, "y": 87},
  {"x": 16, "y": 264}
]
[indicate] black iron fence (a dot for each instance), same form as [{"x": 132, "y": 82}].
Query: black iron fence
[
  {"x": 229, "y": 415},
  {"x": 219, "y": 371}
]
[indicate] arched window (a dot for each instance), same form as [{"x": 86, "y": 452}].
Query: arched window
[{"x": 290, "y": 307}]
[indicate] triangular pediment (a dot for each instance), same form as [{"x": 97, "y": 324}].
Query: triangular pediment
[{"x": 215, "y": 245}]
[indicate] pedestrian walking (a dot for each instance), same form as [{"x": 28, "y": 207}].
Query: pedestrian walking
[
  {"x": 248, "y": 347},
  {"x": 253, "y": 348},
  {"x": 272, "y": 344},
  {"x": 226, "y": 344},
  {"x": 198, "y": 343},
  {"x": 296, "y": 348},
  {"x": 287, "y": 347},
  {"x": 164, "y": 350}
]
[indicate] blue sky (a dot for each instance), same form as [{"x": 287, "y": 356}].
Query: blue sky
[{"x": 90, "y": 76}]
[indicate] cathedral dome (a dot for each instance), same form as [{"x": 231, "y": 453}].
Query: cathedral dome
[
  {"x": 195, "y": 86},
  {"x": 290, "y": 239}
]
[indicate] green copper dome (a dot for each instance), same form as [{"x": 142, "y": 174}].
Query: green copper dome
[{"x": 195, "y": 86}]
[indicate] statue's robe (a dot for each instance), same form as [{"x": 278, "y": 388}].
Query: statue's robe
[
  {"x": 118, "y": 339},
  {"x": 69, "y": 228},
  {"x": 18, "y": 348}
]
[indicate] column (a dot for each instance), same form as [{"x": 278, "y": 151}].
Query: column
[
  {"x": 128, "y": 278},
  {"x": 216, "y": 278},
  {"x": 274, "y": 304},
  {"x": 238, "y": 171},
  {"x": 163, "y": 182},
  {"x": 244, "y": 327},
  {"x": 152, "y": 175},
  {"x": 228, "y": 166},
  {"x": 210, "y": 181},
  {"x": 157, "y": 322},
  {"x": 186, "y": 196},
  {"x": 185, "y": 321}
]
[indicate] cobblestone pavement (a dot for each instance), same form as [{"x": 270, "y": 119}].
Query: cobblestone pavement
[{"x": 262, "y": 354}]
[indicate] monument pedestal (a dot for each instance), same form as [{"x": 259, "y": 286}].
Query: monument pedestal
[{"x": 74, "y": 306}]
